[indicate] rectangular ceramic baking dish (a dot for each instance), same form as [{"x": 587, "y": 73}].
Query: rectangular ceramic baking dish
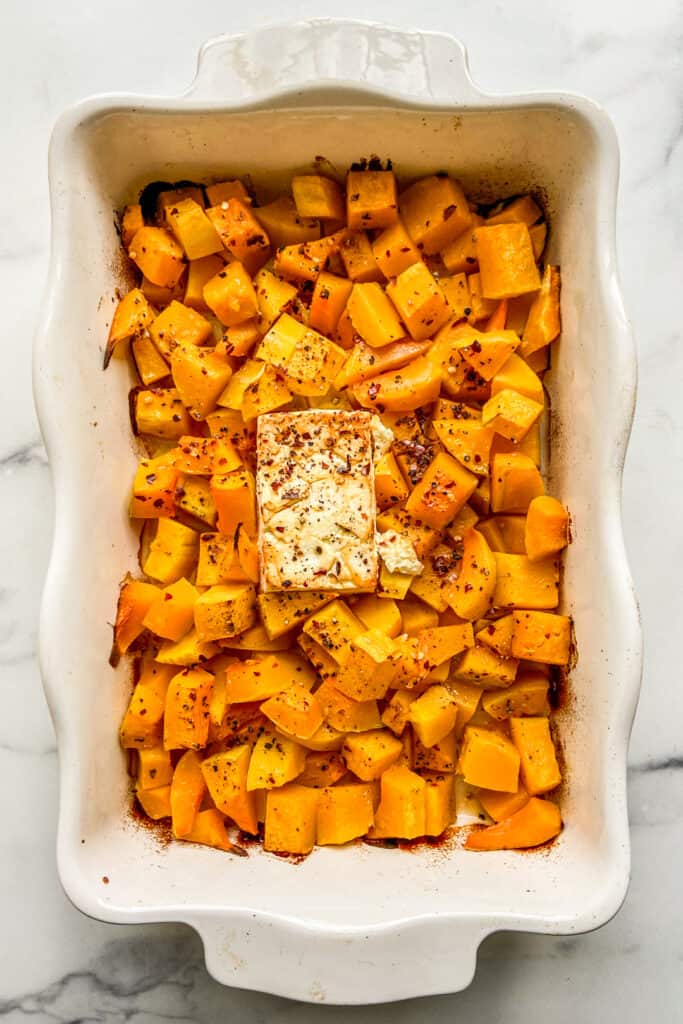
[{"x": 362, "y": 924}]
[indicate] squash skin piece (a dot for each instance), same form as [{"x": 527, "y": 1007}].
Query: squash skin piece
[
  {"x": 158, "y": 255},
  {"x": 135, "y": 599},
  {"x": 186, "y": 715},
  {"x": 543, "y": 323},
  {"x": 541, "y": 636},
  {"x": 489, "y": 759},
  {"x": 369, "y": 754},
  {"x": 546, "y": 529},
  {"x": 506, "y": 261},
  {"x": 435, "y": 212},
  {"x": 225, "y": 776},
  {"x": 515, "y": 482},
  {"x": 344, "y": 813},
  {"x": 291, "y": 818},
  {"x": 402, "y": 811},
  {"x": 187, "y": 791},
  {"x": 472, "y": 592},
  {"x": 535, "y": 823},
  {"x": 275, "y": 760}
]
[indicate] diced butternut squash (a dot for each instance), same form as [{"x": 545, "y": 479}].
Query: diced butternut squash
[
  {"x": 442, "y": 491},
  {"x": 394, "y": 250},
  {"x": 482, "y": 666},
  {"x": 225, "y": 610},
  {"x": 281, "y": 612},
  {"x": 380, "y": 614},
  {"x": 317, "y": 197},
  {"x": 369, "y": 754},
  {"x": 187, "y": 790},
  {"x": 131, "y": 222},
  {"x": 241, "y": 233},
  {"x": 209, "y": 830},
  {"x": 189, "y": 650},
  {"x": 417, "y": 616},
  {"x": 171, "y": 614},
  {"x": 200, "y": 375},
  {"x": 294, "y": 711},
  {"x": 291, "y": 819},
  {"x": 435, "y": 212},
  {"x": 460, "y": 255},
  {"x": 419, "y": 301},
  {"x": 156, "y": 803},
  {"x": 489, "y": 759},
  {"x": 141, "y": 727},
  {"x": 154, "y": 487},
  {"x": 441, "y": 643},
  {"x": 546, "y": 529},
  {"x": 541, "y": 636},
  {"x": 543, "y": 323},
  {"x": 373, "y": 316},
  {"x": 517, "y": 375},
  {"x": 539, "y": 767},
  {"x": 336, "y": 628},
  {"x": 159, "y": 412},
  {"x": 198, "y": 273},
  {"x": 135, "y": 600},
  {"x": 402, "y": 811},
  {"x": 468, "y": 698},
  {"x": 225, "y": 775},
  {"x": 344, "y": 713},
  {"x": 132, "y": 316},
  {"x": 467, "y": 440},
  {"x": 235, "y": 498},
  {"x": 535, "y": 823},
  {"x": 472, "y": 592},
  {"x": 506, "y": 261},
  {"x": 440, "y": 757},
  {"x": 358, "y": 258},
  {"x": 511, "y": 414},
  {"x": 433, "y": 715},
  {"x": 330, "y": 296},
  {"x": 370, "y": 199},
  {"x": 487, "y": 353},
  {"x": 173, "y": 552},
  {"x": 150, "y": 364},
  {"x": 231, "y": 295},
  {"x": 505, "y": 533},
  {"x": 521, "y": 583},
  {"x": 527, "y": 696},
  {"x": 395, "y": 714},
  {"x": 257, "y": 679},
  {"x": 439, "y": 802},
  {"x": 275, "y": 760},
  {"x": 344, "y": 813},
  {"x": 186, "y": 717},
  {"x": 515, "y": 482},
  {"x": 178, "y": 325},
  {"x": 322, "y": 769},
  {"x": 370, "y": 667},
  {"x": 497, "y": 634},
  {"x": 193, "y": 229},
  {"x": 502, "y": 805},
  {"x": 284, "y": 225},
  {"x": 158, "y": 255}
]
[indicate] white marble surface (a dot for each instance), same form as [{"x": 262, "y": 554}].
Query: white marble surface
[{"x": 55, "y": 964}]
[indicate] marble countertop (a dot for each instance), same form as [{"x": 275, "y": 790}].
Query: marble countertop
[{"x": 57, "y": 965}]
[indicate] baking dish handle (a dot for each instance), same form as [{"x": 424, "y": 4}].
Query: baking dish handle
[{"x": 422, "y": 67}]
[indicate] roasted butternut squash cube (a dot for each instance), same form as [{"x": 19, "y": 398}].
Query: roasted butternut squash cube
[
  {"x": 225, "y": 610},
  {"x": 403, "y": 390},
  {"x": 259, "y": 678},
  {"x": 504, "y": 533},
  {"x": 395, "y": 714},
  {"x": 171, "y": 615},
  {"x": 160, "y": 412},
  {"x": 402, "y": 811},
  {"x": 154, "y": 487},
  {"x": 500, "y": 806},
  {"x": 322, "y": 769},
  {"x": 540, "y": 770},
  {"x": 484, "y": 667},
  {"x": 541, "y": 636},
  {"x": 225, "y": 775},
  {"x": 186, "y": 716},
  {"x": 131, "y": 222},
  {"x": 159, "y": 296},
  {"x": 169, "y": 197},
  {"x": 294, "y": 711},
  {"x": 314, "y": 364},
  {"x": 497, "y": 634},
  {"x": 141, "y": 727},
  {"x": 344, "y": 713},
  {"x": 218, "y": 560},
  {"x": 370, "y": 669},
  {"x": 134, "y": 602},
  {"x": 489, "y": 759},
  {"x": 156, "y": 803},
  {"x": 302, "y": 262},
  {"x": 517, "y": 375},
  {"x": 173, "y": 552},
  {"x": 511, "y": 414},
  {"x": 506, "y": 261},
  {"x": 439, "y": 802},
  {"x": 435, "y": 212},
  {"x": 358, "y": 258},
  {"x": 373, "y": 316},
  {"x": 433, "y": 715},
  {"x": 275, "y": 760},
  {"x": 158, "y": 255},
  {"x": 527, "y": 696},
  {"x": 209, "y": 830},
  {"x": 200, "y": 376},
  {"x": 468, "y": 698},
  {"x": 189, "y": 650},
  {"x": 468, "y": 441},
  {"x": 132, "y": 316},
  {"x": 473, "y": 590},
  {"x": 394, "y": 585},
  {"x": 330, "y": 296},
  {"x": 266, "y": 394},
  {"x": 487, "y": 353},
  {"x": 336, "y": 628},
  {"x": 198, "y": 273},
  {"x": 149, "y": 363},
  {"x": 231, "y": 296},
  {"x": 546, "y": 529},
  {"x": 187, "y": 792},
  {"x": 178, "y": 325},
  {"x": 536, "y": 822},
  {"x": 417, "y": 616},
  {"x": 434, "y": 584},
  {"x": 378, "y": 614},
  {"x": 193, "y": 229},
  {"x": 344, "y": 813},
  {"x": 521, "y": 583},
  {"x": 291, "y": 818},
  {"x": 241, "y": 233},
  {"x": 543, "y": 323},
  {"x": 457, "y": 291},
  {"x": 281, "y": 612},
  {"x": 370, "y": 199},
  {"x": 440, "y": 757},
  {"x": 221, "y": 191},
  {"x": 460, "y": 255},
  {"x": 438, "y": 644},
  {"x": 481, "y": 308},
  {"x": 369, "y": 754},
  {"x": 273, "y": 296},
  {"x": 235, "y": 497},
  {"x": 390, "y": 486},
  {"x": 515, "y": 482},
  {"x": 318, "y": 197},
  {"x": 394, "y": 250},
  {"x": 419, "y": 301},
  {"x": 284, "y": 224},
  {"x": 442, "y": 491}
]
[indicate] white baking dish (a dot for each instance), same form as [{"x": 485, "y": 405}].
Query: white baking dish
[{"x": 359, "y": 924}]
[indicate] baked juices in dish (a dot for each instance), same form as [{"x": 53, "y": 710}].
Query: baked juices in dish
[{"x": 345, "y": 623}]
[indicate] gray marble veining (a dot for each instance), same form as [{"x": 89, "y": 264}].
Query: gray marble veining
[{"x": 55, "y": 964}]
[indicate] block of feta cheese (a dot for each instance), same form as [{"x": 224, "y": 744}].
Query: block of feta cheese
[{"x": 316, "y": 500}]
